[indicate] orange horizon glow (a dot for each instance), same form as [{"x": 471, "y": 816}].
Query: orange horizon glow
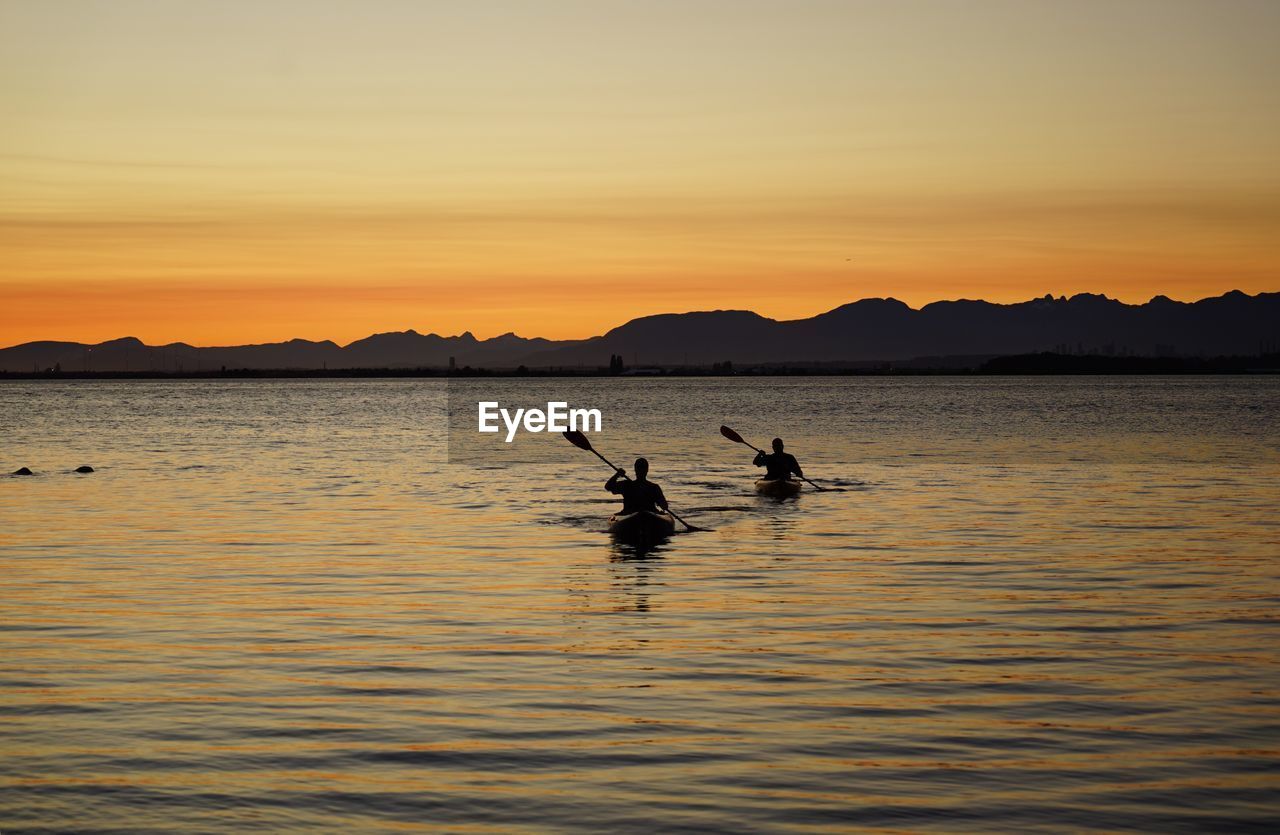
[
  {"x": 220, "y": 175},
  {"x": 149, "y": 315}
]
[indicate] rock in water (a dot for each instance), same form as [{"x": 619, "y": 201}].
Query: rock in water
[
  {"x": 85, "y": 469},
  {"x": 23, "y": 471}
]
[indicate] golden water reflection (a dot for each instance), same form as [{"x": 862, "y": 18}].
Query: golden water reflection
[{"x": 242, "y": 621}]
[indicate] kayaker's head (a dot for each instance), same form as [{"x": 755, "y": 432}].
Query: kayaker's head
[
  {"x": 777, "y": 445},
  {"x": 642, "y": 468}
]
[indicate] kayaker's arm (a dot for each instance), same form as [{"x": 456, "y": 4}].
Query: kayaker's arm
[
  {"x": 795, "y": 467},
  {"x": 612, "y": 484},
  {"x": 760, "y": 460},
  {"x": 660, "y": 500}
]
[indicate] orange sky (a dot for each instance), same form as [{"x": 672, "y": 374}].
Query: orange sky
[{"x": 224, "y": 173}]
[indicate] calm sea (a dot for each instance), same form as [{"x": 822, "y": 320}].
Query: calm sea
[{"x": 1028, "y": 604}]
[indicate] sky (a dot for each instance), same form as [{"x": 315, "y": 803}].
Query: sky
[{"x": 232, "y": 172}]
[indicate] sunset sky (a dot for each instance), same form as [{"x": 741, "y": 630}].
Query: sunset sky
[{"x": 229, "y": 172}]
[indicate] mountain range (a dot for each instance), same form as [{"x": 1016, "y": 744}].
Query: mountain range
[{"x": 870, "y": 330}]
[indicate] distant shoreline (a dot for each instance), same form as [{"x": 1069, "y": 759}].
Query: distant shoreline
[
  {"x": 1095, "y": 333},
  {"x": 1042, "y": 364}
]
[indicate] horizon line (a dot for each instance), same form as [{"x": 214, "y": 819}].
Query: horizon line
[{"x": 468, "y": 332}]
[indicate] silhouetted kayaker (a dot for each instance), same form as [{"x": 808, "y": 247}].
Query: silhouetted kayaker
[
  {"x": 640, "y": 494},
  {"x": 778, "y": 465}
]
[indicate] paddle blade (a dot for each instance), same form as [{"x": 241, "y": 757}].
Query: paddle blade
[
  {"x": 579, "y": 440},
  {"x": 731, "y": 435}
]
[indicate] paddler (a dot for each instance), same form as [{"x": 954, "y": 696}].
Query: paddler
[
  {"x": 640, "y": 494},
  {"x": 778, "y": 465}
]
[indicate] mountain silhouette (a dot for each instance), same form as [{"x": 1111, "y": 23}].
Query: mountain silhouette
[{"x": 870, "y": 330}]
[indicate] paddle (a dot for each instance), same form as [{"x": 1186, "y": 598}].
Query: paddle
[
  {"x": 737, "y": 439},
  {"x": 580, "y": 441}
]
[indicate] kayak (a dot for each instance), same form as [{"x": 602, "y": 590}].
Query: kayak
[
  {"x": 642, "y": 526},
  {"x": 778, "y": 487}
]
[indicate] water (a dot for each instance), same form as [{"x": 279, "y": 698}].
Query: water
[{"x": 1031, "y": 604}]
